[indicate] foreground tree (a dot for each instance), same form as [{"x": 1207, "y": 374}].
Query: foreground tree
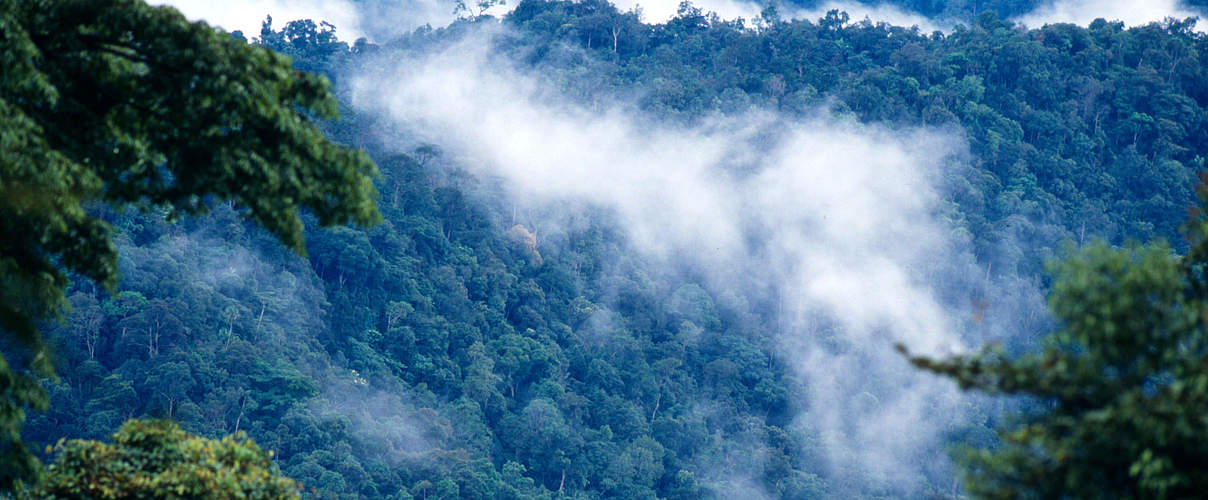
[
  {"x": 114, "y": 102},
  {"x": 157, "y": 459},
  {"x": 1124, "y": 382}
]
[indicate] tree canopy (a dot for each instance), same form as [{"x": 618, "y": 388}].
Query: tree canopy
[
  {"x": 1123, "y": 383},
  {"x": 442, "y": 353},
  {"x": 156, "y": 459},
  {"x": 118, "y": 104}
]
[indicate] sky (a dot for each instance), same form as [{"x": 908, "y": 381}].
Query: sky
[{"x": 247, "y": 16}]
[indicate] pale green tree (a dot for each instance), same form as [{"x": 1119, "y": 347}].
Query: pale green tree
[{"x": 157, "y": 459}]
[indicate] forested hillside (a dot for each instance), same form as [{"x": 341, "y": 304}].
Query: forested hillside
[{"x": 456, "y": 350}]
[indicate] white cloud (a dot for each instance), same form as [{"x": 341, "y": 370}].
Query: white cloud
[
  {"x": 379, "y": 20},
  {"x": 1082, "y": 12},
  {"x": 838, "y": 217},
  {"x": 660, "y": 11},
  {"x": 675, "y": 187},
  {"x": 384, "y": 422}
]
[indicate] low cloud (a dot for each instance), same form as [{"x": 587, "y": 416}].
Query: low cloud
[
  {"x": 381, "y": 20},
  {"x": 1082, "y": 12},
  {"x": 382, "y": 422},
  {"x": 842, "y": 220},
  {"x": 661, "y": 11}
]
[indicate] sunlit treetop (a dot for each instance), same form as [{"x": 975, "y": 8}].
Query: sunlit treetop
[{"x": 156, "y": 459}]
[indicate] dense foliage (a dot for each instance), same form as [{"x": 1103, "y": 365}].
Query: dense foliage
[
  {"x": 1124, "y": 383},
  {"x": 449, "y": 353},
  {"x": 1093, "y": 127},
  {"x": 119, "y": 103},
  {"x": 159, "y": 460}
]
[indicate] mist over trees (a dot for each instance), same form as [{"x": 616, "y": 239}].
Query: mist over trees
[
  {"x": 467, "y": 347},
  {"x": 949, "y": 9}
]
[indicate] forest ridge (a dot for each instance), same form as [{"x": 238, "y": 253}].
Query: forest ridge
[{"x": 479, "y": 338}]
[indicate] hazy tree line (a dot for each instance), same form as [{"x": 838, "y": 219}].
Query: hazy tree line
[
  {"x": 950, "y": 9},
  {"x": 507, "y": 373}
]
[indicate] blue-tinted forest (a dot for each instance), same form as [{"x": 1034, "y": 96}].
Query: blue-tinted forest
[{"x": 448, "y": 352}]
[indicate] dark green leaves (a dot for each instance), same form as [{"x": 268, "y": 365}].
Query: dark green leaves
[
  {"x": 1123, "y": 381},
  {"x": 119, "y": 103}
]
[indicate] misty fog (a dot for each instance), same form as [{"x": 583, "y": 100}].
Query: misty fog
[
  {"x": 843, "y": 221},
  {"x": 835, "y": 235}
]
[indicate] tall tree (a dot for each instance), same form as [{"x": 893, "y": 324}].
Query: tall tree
[
  {"x": 1124, "y": 382},
  {"x": 114, "y": 102}
]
